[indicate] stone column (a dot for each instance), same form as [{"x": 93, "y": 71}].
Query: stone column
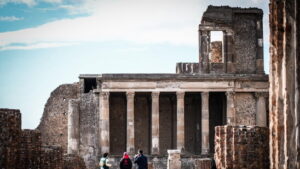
[
  {"x": 180, "y": 120},
  {"x": 155, "y": 123},
  {"x": 73, "y": 127},
  {"x": 130, "y": 122},
  {"x": 261, "y": 111},
  {"x": 104, "y": 122},
  {"x": 174, "y": 159},
  {"x": 230, "y": 108},
  {"x": 205, "y": 123},
  {"x": 204, "y": 42}
]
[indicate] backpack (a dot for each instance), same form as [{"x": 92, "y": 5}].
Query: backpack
[
  {"x": 126, "y": 163},
  {"x": 103, "y": 163}
]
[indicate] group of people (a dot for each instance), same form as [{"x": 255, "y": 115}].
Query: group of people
[{"x": 139, "y": 159}]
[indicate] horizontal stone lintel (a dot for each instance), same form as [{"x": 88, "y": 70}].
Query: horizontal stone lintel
[
  {"x": 176, "y": 77},
  {"x": 184, "y": 86}
]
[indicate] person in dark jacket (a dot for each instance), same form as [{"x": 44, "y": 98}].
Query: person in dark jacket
[
  {"x": 125, "y": 162},
  {"x": 141, "y": 160}
]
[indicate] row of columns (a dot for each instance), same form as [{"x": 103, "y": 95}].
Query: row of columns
[
  {"x": 104, "y": 135},
  {"x": 104, "y": 122}
]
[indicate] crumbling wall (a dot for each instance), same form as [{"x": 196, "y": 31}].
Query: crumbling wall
[
  {"x": 51, "y": 157},
  {"x": 89, "y": 106},
  {"x": 72, "y": 161},
  {"x": 187, "y": 68},
  {"x": 245, "y": 109},
  {"x": 245, "y": 42},
  {"x": 30, "y": 150},
  {"x": 10, "y": 129},
  {"x": 284, "y": 84},
  {"x": 241, "y": 147},
  {"x": 53, "y": 125}
]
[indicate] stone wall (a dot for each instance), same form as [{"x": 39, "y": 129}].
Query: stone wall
[
  {"x": 72, "y": 161},
  {"x": 22, "y": 149},
  {"x": 51, "y": 157},
  {"x": 245, "y": 110},
  {"x": 215, "y": 55},
  {"x": 142, "y": 121},
  {"x": 89, "y": 106},
  {"x": 187, "y": 68},
  {"x": 243, "y": 40},
  {"x": 117, "y": 122},
  {"x": 284, "y": 84},
  {"x": 167, "y": 122},
  {"x": 241, "y": 147},
  {"x": 192, "y": 117},
  {"x": 10, "y": 130},
  {"x": 53, "y": 125},
  {"x": 29, "y": 149}
]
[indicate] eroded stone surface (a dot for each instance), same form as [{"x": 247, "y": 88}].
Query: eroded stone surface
[
  {"x": 53, "y": 125},
  {"x": 241, "y": 147},
  {"x": 284, "y": 84}
]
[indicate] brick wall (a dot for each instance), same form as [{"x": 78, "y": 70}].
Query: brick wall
[
  {"x": 51, "y": 157},
  {"x": 241, "y": 147},
  {"x": 30, "y": 149},
  {"x": 73, "y": 162},
  {"x": 10, "y": 122}
]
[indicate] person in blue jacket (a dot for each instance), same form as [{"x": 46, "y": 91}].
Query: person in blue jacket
[{"x": 140, "y": 160}]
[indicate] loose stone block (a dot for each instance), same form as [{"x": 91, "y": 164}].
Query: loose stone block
[{"x": 174, "y": 159}]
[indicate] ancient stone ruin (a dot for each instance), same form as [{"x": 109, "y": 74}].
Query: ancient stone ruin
[
  {"x": 214, "y": 109},
  {"x": 23, "y": 149},
  {"x": 160, "y": 112}
]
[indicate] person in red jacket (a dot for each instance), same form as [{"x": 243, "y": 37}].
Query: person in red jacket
[{"x": 125, "y": 162}]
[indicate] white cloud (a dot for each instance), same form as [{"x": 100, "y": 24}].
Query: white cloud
[
  {"x": 139, "y": 21},
  {"x": 26, "y": 2},
  {"x": 29, "y": 3},
  {"x": 34, "y": 46},
  {"x": 53, "y": 1},
  {"x": 10, "y": 18}
]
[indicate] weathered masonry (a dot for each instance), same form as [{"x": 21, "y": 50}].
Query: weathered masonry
[{"x": 158, "y": 112}]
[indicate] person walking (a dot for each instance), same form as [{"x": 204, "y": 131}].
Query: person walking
[
  {"x": 125, "y": 162},
  {"x": 141, "y": 160},
  {"x": 104, "y": 164}
]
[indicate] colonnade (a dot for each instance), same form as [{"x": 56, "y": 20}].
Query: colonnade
[{"x": 104, "y": 131}]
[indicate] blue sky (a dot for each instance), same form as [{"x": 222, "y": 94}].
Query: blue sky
[{"x": 45, "y": 43}]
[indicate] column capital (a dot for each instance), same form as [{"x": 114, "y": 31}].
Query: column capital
[
  {"x": 180, "y": 95},
  {"x": 261, "y": 94},
  {"x": 130, "y": 95},
  {"x": 205, "y": 32},
  {"x": 205, "y": 94},
  {"x": 230, "y": 93},
  {"x": 155, "y": 94},
  {"x": 105, "y": 95}
]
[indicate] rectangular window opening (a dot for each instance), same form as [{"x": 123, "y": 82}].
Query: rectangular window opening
[
  {"x": 216, "y": 47},
  {"x": 89, "y": 84}
]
